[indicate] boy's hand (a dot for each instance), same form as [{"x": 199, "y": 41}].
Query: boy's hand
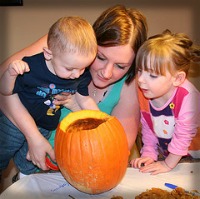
[
  {"x": 38, "y": 149},
  {"x": 62, "y": 98},
  {"x": 68, "y": 100},
  {"x": 18, "y": 67}
]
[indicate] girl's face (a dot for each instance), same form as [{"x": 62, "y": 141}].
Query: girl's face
[
  {"x": 158, "y": 88},
  {"x": 111, "y": 64}
]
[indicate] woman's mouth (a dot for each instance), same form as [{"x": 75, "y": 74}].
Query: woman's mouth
[{"x": 102, "y": 79}]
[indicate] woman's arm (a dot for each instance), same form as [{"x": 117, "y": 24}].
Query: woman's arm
[{"x": 127, "y": 111}]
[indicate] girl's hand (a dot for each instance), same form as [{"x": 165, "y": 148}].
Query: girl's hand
[
  {"x": 18, "y": 67},
  {"x": 140, "y": 162},
  {"x": 155, "y": 168},
  {"x": 38, "y": 149}
]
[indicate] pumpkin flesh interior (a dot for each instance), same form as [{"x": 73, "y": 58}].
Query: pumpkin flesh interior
[
  {"x": 83, "y": 115},
  {"x": 85, "y": 124}
]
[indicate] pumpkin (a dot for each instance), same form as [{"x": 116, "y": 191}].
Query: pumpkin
[{"x": 91, "y": 150}]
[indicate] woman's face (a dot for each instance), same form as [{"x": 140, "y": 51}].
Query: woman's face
[{"x": 111, "y": 64}]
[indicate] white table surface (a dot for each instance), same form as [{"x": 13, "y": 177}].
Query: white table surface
[{"x": 53, "y": 185}]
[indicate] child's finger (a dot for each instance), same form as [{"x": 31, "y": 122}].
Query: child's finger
[
  {"x": 27, "y": 69},
  {"x": 21, "y": 67}
]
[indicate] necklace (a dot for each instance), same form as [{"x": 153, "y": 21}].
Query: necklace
[
  {"x": 94, "y": 92},
  {"x": 98, "y": 93}
]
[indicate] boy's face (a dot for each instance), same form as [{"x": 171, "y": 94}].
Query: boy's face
[{"x": 69, "y": 65}]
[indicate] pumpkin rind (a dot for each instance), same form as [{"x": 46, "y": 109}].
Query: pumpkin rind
[{"x": 92, "y": 160}]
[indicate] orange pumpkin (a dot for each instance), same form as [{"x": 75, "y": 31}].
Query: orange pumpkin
[{"x": 91, "y": 150}]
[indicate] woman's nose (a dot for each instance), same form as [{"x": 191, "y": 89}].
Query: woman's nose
[{"x": 107, "y": 72}]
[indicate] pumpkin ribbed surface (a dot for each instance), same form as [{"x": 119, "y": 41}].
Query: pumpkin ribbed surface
[{"x": 91, "y": 150}]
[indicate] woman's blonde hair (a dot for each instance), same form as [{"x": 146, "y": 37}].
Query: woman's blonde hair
[
  {"x": 72, "y": 34},
  {"x": 167, "y": 51}
]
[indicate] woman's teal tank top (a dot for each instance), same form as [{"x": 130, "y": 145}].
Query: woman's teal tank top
[{"x": 108, "y": 103}]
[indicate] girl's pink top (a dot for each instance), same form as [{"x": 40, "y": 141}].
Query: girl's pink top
[{"x": 171, "y": 127}]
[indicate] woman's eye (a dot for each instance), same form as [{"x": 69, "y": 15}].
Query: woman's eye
[
  {"x": 120, "y": 67},
  {"x": 101, "y": 58}
]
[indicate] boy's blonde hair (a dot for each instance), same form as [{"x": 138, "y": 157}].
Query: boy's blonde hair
[
  {"x": 72, "y": 34},
  {"x": 167, "y": 51}
]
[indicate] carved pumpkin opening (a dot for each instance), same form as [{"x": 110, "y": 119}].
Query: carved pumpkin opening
[{"x": 85, "y": 124}]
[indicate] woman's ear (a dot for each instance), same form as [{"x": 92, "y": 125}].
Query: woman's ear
[
  {"x": 179, "y": 78},
  {"x": 47, "y": 54}
]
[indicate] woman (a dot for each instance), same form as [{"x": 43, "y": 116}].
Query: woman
[{"x": 119, "y": 32}]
